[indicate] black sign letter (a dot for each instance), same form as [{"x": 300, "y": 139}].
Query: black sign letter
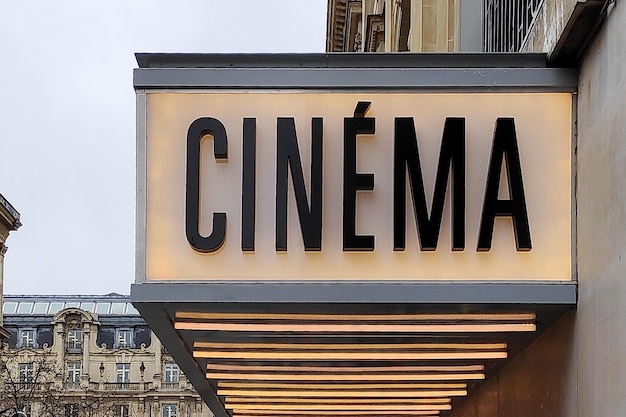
[
  {"x": 504, "y": 146},
  {"x": 197, "y": 131},
  {"x": 353, "y": 181},
  {"x": 248, "y": 185},
  {"x": 288, "y": 157},
  {"x": 451, "y": 157}
]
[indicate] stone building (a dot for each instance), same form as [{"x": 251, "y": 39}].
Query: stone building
[
  {"x": 100, "y": 355},
  {"x": 403, "y": 26},
  {"x": 9, "y": 220}
]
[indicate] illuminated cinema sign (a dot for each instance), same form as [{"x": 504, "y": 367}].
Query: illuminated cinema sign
[{"x": 400, "y": 186}]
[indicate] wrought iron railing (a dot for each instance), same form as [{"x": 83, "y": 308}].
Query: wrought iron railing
[{"x": 507, "y": 23}]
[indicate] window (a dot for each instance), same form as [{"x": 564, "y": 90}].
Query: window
[
  {"x": 131, "y": 310},
  {"x": 171, "y": 372},
  {"x": 71, "y": 410},
  {"x": 27, "y": 338},
  {"x": 123, "y": 375},
  {"x": 171, "y": 376},
  {"x": 103, "y": 308},
  {"x": 124, "y": 338},
  {"x": 170, "y": 410},
  {"x": 40, "y": 308},
  {"x": 118, "y": 308},
  {"x": 73, "y": 372},
  {"x": 55, "y": 307},
  {"x": 24, "y": 308},
  {"x": 121, "y": 410},
  {"x": 10, "y": 307},
  {"x": 26, "y": 373},
  {"x": 26, "y": 411},
  {"x": 74, "y": 340},
  {"x": 88, "y": 306}
]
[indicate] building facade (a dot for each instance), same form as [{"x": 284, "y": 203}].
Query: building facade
[
  {"x": 403, "y": 26},
  {"x": 576, "y": 367},
  {"x": 9, "y": 220},
  {"x": 88, "y": 356}
]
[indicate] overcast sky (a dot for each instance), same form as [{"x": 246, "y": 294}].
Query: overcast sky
[{"x": 67, "y": 120}]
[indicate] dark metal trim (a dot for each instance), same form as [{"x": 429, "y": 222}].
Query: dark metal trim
[
  {"x": 582, "y": 25},
  {"x": 466, "y": 292},
  {"x": 157, "y": 318},
  {"x": 342, "y": 60},
  {"x": 435, "y": 79}
]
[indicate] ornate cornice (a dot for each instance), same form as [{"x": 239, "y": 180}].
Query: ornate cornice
[{"x": 336, "y": 22}]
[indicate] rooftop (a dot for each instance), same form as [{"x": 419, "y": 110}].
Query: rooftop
[{"x": 107, "y": 304}]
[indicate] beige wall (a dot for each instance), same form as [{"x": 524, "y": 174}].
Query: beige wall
[{"x": 433, "y": 23}]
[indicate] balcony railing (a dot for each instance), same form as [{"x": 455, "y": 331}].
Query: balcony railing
[
  {"x": 72, "y": 386},
  {"x": 170, "y": 386},
  {"x": 116, "y": 386},
  {"x": 506, "y": 23}
]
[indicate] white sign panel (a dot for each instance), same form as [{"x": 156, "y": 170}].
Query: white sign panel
[{"x": 358, "y": 186}]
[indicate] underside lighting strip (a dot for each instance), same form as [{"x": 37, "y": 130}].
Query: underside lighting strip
[
  {"x": 356, "y": 317},
  {"x": 391, "y": 356},
  {"x": 341, "y": 394},
  {"x": 339, "y": 369},
  {"x": 357, "y": 328},
  {"x": 251, "y": 400},
  {"x": 339, "y": 386},
  {"x": 345, "y": 377},
  {"x": 347, "y": 346},
  {"x": 339, "y": 407},
  {"x": 286, "y": 413}
]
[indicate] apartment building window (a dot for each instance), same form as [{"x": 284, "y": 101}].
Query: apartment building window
[
  {"x": 25, "y": 411},
  {"x": 124, "y": 338},
  {"x": 27, "y": 338},
  {"x": 73, "y": 374},
  {"x": 169, "y": 410},
  {"x": 123, "y": 376},
  {"x": 71, "y": 410},
  {"x": 74, "y": 340},
  {"x": 26, "y": 373},
  {"x": 121, "y": 410},
  {"x": 171, "y": 376}
]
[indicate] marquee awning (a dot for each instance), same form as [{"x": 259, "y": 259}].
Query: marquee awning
[
  {"x": 279, "y": 292},
  {"x": 352, "y": 349}
]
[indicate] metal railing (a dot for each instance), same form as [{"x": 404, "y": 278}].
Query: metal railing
[
  {"x": 121, "y": 386},
  {"x": 507, "y": 23},
  {"x": 170, "y": 386}
]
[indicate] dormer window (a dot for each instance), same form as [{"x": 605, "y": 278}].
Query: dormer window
[
  {"x": 74, "y": 340},
  {"x": 124, "y": 339},
  {"x": 27, "y": 338}
]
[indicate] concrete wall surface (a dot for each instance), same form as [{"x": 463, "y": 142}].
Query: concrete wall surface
[
  {"x": 548, "y": 25},
  {"x": 578, "y": 367},
  {"x": 539, "y": 382},
  {"x": 601, "y": 333}
]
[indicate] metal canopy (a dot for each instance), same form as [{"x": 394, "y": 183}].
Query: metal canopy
[
  {"x": 297, "y": 348},
  {"x": 255, "y": 348}
]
